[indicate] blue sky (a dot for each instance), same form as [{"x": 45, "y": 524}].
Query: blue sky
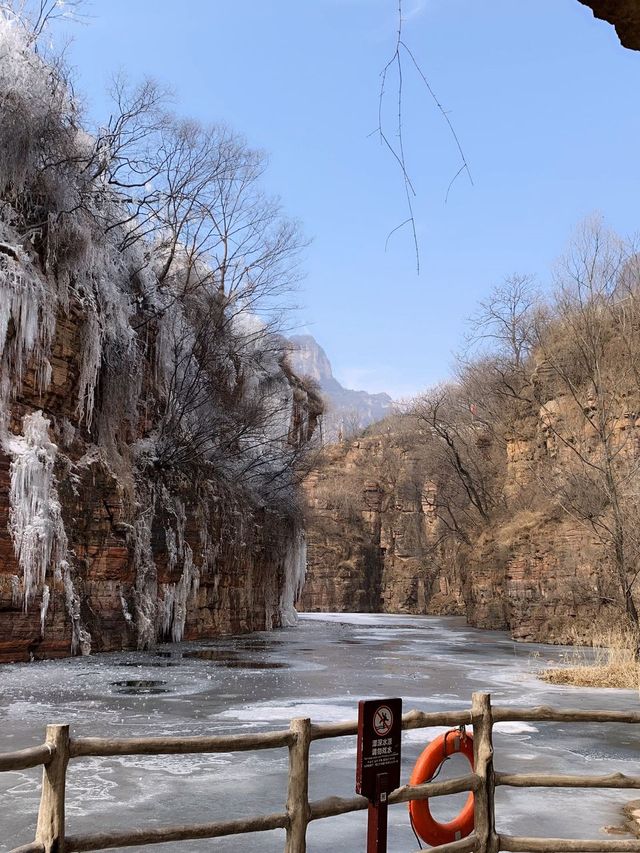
[{"x": 543, "y": 98}]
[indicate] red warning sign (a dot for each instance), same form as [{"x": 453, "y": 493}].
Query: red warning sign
[
  {"x": 382, "y": 720},
  {"x": 379, "y": 742}
]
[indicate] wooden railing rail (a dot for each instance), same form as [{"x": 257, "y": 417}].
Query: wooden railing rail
[
  {"x": 532, "y": 780},
  {"x": 567, "y": 845},
  {"x": 23, "y": 759},
  {"x": 544, "y": 714},
  {"x": 464, "y": 845},
  {"x": 333, "y": 806},
  {"x": 411, "y": 720},
  {"x": 158, "y": 835},
  {"x": 29, "y": 848},
  {"x": 104, "y": 747},
  {"x": 60, "y": 748}
]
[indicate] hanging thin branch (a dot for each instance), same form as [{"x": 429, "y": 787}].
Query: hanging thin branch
[{"x": 398, "y": 151}]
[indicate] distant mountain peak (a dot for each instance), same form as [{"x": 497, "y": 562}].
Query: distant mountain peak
[
  {"x": 347, "y": 411},
  {"x": 309, "y": 359}
]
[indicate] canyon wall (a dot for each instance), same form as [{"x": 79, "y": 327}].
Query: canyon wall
[
  {"x": 377, "y": 541},
  {"x": 150, "y": 425},
  {"x": 372, "y": 536}
]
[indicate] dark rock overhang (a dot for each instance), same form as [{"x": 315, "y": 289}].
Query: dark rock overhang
[{"x": 623, "y": 14}]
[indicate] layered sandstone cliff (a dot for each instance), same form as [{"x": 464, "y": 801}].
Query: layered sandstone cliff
[
  {"x": 372, "y": 536},
  {"x": 150, "y": 426},
  {"x": 376, "y": 542}
]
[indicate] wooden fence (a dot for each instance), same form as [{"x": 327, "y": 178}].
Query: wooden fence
[{"x": 60, "y": 748}]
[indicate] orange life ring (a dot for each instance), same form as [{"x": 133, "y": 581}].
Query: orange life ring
[{"x": 426, "y": 826}]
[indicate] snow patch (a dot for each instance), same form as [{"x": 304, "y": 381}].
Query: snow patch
[
  {"x": 266, "y": 712},
  {"x": 514, "y": 728}
]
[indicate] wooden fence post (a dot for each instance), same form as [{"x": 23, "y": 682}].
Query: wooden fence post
[
  {"x": 298, "y": 794},
  {"x": 50, "y": 829},
  {"x": 484, "y": 817}
]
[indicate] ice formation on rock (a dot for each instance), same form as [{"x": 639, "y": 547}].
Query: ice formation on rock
[
  {"x": 35, "y": 519},
  {"x": 175, "y": 596},
  {"x": 146, "y": 584},
  {"x": 44, "y": 607},
  {"x": 295, "y": 567},
  {"x": 25, "y": 304},
  {"x": 80, "y": 637}
]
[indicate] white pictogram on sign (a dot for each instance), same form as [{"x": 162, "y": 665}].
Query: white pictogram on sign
[{"x": 382, "y": 720}]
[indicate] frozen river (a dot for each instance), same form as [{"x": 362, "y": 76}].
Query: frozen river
[{"x": 319, "y": 669}]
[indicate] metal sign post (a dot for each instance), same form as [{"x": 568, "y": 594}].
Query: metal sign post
[{"x": 378, "y": 763}]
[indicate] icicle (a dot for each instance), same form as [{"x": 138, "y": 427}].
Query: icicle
[
  {"x": 146, "y": 585},
  {"x": 44, "y": 607},
  {"x": 80, "y": 637},
  {"x": 183, "y": 592},
  {"x": 295, "y": 569},
  {"x": 68, "y": 433},
  {"x": 90, "y": 360},
  {"x": 167, "y": 608},
  {"x": 172, "y": 548},
  {"x": 25, "y": 300},
  {"x": 176, "y": 598},
  {"x": 16, "y": 591},
  {"x": 128, "y": 618},
  {"x": 35, "y": 519}
]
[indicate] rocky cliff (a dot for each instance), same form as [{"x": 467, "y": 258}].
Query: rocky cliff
[
  {"x": 373, "y": 538},
  {"x": 376, "y": 544},
  {"x": 150, "y": 426},
  {"x": 623, "y": 14}
]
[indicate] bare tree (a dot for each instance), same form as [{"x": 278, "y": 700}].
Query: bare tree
[
  {"x": 505, "y": 322},
  {"x": 462, "y": 461},
  {"x": 591, "y": 399},
  {"x": 36, "y": 16}
]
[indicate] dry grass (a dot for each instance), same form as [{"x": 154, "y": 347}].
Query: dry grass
[{"x": 610, "y": 663}]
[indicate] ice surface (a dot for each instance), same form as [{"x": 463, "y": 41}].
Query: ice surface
[{"x": 332, "y": 662}]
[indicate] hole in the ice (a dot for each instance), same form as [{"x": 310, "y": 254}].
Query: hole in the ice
[
  {"x": 233, "y": 663},
  {"x": 135, "y": 687},
  {"x": 260, "y": 645},
  {"x": 219, "y": 655}
]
